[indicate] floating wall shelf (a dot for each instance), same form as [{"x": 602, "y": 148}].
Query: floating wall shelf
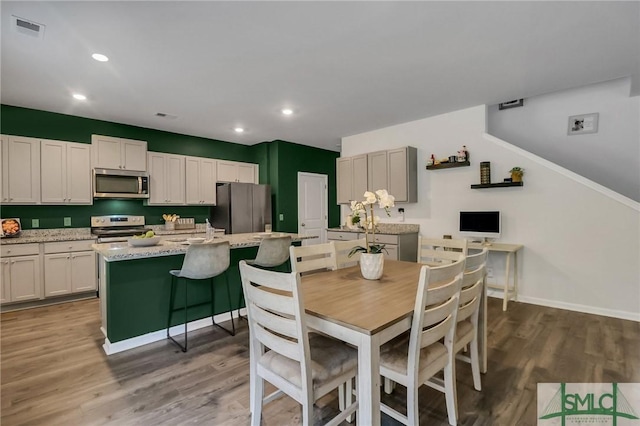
[
  {"x": 496, "y": 185},
  {"x": 448, "y": 165}
]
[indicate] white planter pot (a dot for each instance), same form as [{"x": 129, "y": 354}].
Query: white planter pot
[
  {"x": 169, "y": 226},
  {"x": 371, "y": 265}
]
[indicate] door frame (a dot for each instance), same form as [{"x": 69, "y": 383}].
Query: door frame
[{"x": 323, "y": 238}]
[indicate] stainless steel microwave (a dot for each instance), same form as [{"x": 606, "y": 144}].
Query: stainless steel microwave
[{"x": 109, "y": 183}]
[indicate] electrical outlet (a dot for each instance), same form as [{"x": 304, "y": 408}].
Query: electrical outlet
[
  {"x": 281, "y": 217},
  {"x": 489, "y": 272},
  {"x": 35, "y": 223},
  {"x": 67, "y": 221}
]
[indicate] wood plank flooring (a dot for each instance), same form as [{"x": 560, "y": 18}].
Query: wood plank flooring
[{"x": 54, "y": 371}]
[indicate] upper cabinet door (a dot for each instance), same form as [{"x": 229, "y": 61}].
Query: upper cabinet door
[
  {"x": 359, "y": 176},
  {"x": 79, "y": 173},
  {"x": 247, "y": 173},
  {"x": 106, "y": 152},
  {"x": 134, "y": 155},
  {"x": 208, "y": 170},
  {"x": 344, "y": 179},
  {"x": 4, "y": 161},
  {"x": 403, "y": 171},
  {"x": 23, "y": 170},
  {"x": 175, "y": 179},
  {"x": 65, "y": 172},
  {"x": 167, "y": 179},
  {"x": 234, "y": 171},
  {"x": 227, "y": 171},
  {"x": 118, "y": 153},
  {"x": 377, "y": 170},
  {"x": 54, "y": 172}
]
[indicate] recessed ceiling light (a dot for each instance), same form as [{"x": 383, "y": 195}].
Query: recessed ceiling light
[
  {"x": 99, "y": 57},
  {"x": 287, "y": 111},
  {"x": 238, "y": 130},
  {"x": 79, "y": 97}
]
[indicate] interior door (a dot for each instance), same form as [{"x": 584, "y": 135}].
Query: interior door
[{"x": 312, "y": 206}]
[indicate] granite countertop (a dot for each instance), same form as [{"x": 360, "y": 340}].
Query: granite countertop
[
  {"x": 385, "y": 228},
  {"x": 113, "y": 252},
  {"x": 50, "y": 235},
  {"x": 76, "y": 234}
]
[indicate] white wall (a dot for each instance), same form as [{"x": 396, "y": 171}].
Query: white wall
[
  {"x": 582, "y": 242},
  {"x": 610, "y": 157}
]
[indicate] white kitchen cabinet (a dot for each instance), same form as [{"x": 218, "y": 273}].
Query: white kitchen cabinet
[
  {"x": 4, "y": 190},
  {"x": 397, "y": 246},
  {"x": 351, "y": 176},
  {"x": 65, "y": 172},
  {"x": 21, "y": 277},
  {"x": 69, "y": 267},
  {"x": 234, "y": 171},
  {"x": 119, "y": 153},
  {"x": 20, "y": 170},
  {"x": 201, "y": 181},
  {"x": 167, "y": 179}
]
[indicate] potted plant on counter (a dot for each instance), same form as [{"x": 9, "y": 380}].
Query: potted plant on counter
[{"x": 372, "y": 258}]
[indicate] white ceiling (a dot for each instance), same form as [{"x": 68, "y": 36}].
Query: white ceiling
[{"x": 343, "y": 67}]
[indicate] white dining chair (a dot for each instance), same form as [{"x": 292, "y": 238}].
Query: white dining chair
[
  {"x": 343, "y": 248},
  {"x": 313, "y": 258},
  {"x": 411, "y": 361},
  {"x": 435, "y": 251},
  {"x": 468, "y": 313},
  {"x": 306, "y": 366}
]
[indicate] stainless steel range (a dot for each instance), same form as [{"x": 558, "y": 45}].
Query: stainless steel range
[{"x": 115, "y": 228}]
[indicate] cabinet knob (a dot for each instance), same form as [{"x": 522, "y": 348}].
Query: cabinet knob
[
  {"x": 302, "y": 224},
  {"x": 13, "y": 261}
]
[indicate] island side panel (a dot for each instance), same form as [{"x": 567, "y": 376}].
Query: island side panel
[{"x": 138, "y": 293}]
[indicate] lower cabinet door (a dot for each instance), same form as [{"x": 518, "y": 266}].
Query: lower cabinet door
[
  {"x": 57, "y": 277},
  {"x": 83, "y": 271},
  {"x": 5, "y": 286},
  {"x": 25, "y": 277},
  {"x": 391, "y": 252}
]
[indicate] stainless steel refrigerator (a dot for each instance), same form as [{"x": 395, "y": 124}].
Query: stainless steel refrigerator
[{"x": 241, "y": 207}]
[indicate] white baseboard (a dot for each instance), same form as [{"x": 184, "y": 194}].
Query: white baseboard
[
  {"x": 632, "y": 316},
  {"x": 155, "y": 336}
]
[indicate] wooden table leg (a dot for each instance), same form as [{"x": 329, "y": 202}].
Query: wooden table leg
[
  {"x": 482, "y": 335},
  {"x": 369, "y": 381},
  {"x": 505, "y": 296},
  {"x": 515, "y": 275}
]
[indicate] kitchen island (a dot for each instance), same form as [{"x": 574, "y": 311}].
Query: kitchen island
[{"x": 135, "y": 287}]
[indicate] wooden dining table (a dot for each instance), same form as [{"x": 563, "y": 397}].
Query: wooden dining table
[{"x": 366, "y": 314}]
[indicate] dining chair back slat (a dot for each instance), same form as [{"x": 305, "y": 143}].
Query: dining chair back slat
[
  {"x": 317, "y": 257},
  {"x": 343, "y": 248},
  {"x": 433, "y": 251}
]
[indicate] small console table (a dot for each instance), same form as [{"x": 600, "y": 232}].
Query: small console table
[{"x": 511, "y": 250}]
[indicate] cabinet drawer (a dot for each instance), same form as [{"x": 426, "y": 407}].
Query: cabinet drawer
[
  {"x": 19, "y": 250},
  {"x": 343, "y": 236},
  {"x": 386, "y": 239},
  {"x": 68, "y": 246}
]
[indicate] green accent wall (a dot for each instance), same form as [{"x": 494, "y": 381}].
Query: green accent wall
[{"x": 279, "y": 161}]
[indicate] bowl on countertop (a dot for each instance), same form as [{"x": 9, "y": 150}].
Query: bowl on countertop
[
  {"x": 195, "y": 240},
  {"x": 11, "y": 228},
  {"x": 143, "y": 242}
]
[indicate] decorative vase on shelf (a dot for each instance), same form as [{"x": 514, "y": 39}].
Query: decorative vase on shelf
[{"x": 371, "y": 265}]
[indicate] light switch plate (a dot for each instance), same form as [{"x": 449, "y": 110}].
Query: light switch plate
[
  {"x": 281, "y": 217},
  {"x": 35, "y": 223},
  {"x": 67, "y": 221}
]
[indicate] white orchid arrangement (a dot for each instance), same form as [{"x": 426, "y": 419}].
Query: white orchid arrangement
[{"x": 362, "y": 215}]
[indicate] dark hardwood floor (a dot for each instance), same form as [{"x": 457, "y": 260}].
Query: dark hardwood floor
[{"x": 54, "y": 371}]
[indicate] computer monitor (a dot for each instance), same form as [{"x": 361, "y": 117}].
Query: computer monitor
[{"x": 485, "y": 224}]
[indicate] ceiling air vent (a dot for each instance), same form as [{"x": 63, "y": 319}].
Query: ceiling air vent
[
  {"x": 165, "y": 115},
  {"x": 26, "y": 27}
]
